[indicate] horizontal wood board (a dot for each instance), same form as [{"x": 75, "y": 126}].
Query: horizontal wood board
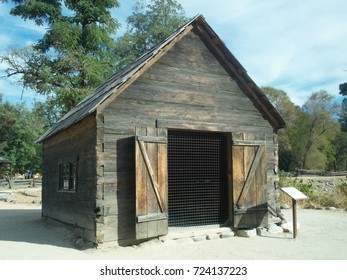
[{"x": 177, "y": 92}]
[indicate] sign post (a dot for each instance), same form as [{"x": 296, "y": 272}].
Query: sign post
[{"x": 295, "y": 195}]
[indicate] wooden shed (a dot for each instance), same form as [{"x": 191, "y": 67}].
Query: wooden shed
[{"x": 180, "y": 138}]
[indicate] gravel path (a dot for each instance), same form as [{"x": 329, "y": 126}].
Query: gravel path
[{"x": 322, "y": 236}]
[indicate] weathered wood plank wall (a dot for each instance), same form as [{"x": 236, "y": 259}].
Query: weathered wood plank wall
[
  {"x": 186, "y": 88},
  {"x": 76, "y": 208}
]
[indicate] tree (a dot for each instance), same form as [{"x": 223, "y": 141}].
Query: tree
[
  {"x": 339, "y": 163},
  {"x": 151, "y": 22},
  {"x": 290, "y": 112},
  {"x": 314, "y": 131},
  {"x": 281, "y": 101},
  {"x": 343, "y": 89},
  {"x": 47, "y": 111},
  {"x": 19, "y": 129},
  {"x": 75, "y": 55},
  {"x": 343, "y": 114}
]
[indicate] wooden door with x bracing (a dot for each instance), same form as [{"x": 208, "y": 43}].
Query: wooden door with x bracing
[
  {"x": 249, "y": 183},
  {"x": 151, "y": 182}
]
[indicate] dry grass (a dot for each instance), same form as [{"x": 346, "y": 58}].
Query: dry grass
[
  {"x": 321, "y": 197},
  {"x": 336, "y": 197}
]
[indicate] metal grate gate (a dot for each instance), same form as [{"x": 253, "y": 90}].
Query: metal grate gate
[{"x": 197, "y": 188}]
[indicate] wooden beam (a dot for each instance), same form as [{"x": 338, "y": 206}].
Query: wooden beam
[
  {"x": 248, "y": 142},
  {"x": 152, "y": 139},
  {"x": 151, "y": 217}
]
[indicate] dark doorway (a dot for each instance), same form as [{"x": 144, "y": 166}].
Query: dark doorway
[{"x": 197, "y": 178}]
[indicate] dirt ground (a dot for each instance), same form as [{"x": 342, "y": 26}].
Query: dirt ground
[{"x": 24, "y": 235}]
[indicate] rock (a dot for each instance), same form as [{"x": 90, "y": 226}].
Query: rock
[
  {"x": 226, "y": 234},
  {"x": 274, "y": 220},
  {"x": 212, "y": 236},
  {"x": 30, "y": 193},
  {"x": 274, "y": 229},
  {"x": 199, "y": 238},
  {"x": 4, "y": 196},
  {"x": 261, "y": 231},
  {"x": 246, "y": 233},
  {"x": 288, "y": 227},
  {"x": 310, "y": 206},
  {"x": 331, "y": 208}
]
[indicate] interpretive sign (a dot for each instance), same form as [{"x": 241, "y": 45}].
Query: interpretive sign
[{"x": 295, "y": 194}]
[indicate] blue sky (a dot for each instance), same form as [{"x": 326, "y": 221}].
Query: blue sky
[{"x": 294, "y": 45}]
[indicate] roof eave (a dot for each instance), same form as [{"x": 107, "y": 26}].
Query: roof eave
[
  {"x": 236, "y": 70},
  {"x": 108, "y": 92},
  {"x": 115, "y": 82}
]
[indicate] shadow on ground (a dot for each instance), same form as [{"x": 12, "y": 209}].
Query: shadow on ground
[{"x": 19, "y": 225}]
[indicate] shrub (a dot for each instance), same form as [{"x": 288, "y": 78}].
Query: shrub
[
  {"x": 286, "y": 180},
  {"x": 335, "y": 196}
]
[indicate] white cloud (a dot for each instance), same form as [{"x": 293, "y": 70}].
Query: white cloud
[
  {"x": 29, "y": 25},
  {"x": 298, "y": 46}
]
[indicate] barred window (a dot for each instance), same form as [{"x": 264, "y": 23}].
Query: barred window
[{"x": 68, "y": 176}]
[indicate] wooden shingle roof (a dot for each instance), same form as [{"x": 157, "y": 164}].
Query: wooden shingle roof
[{"x": 113, "y": 86}]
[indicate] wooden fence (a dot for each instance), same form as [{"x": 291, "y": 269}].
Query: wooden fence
[
  {"x": 20, "y": 183},
  {"x": 305, "y": 172}
]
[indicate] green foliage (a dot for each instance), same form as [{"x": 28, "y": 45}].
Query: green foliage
[
  {"x": 308, "y": 142},
  {"x": 340, "y": 146},
  {"x": 78, "y": 52},
  {"x": 343, "y": 89},
  {"x": 290, "y": 112},
  {"x": 321, "y": 128},
  {"x": 287, "y": 180},
  {"x": 306, "y": 188},
  {"x": 343, "y": 115},
  {"x": 151, "y": 22},
  {"x": 281, "y": 101},
  {"x": 75, "y": 55},
  {"x": 321, "y": 197},
  {"x": 4, "y": 170},
  {"x": 47, "y": 111},
  {"x": 19, "y": 129}
]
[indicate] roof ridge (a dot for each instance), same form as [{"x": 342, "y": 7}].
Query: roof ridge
[{"x": 106, "y": 89}]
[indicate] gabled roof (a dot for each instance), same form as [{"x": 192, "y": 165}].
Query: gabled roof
[
  {"x": 213, "y": 42},
  {"x": 4, "y": 161}
]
